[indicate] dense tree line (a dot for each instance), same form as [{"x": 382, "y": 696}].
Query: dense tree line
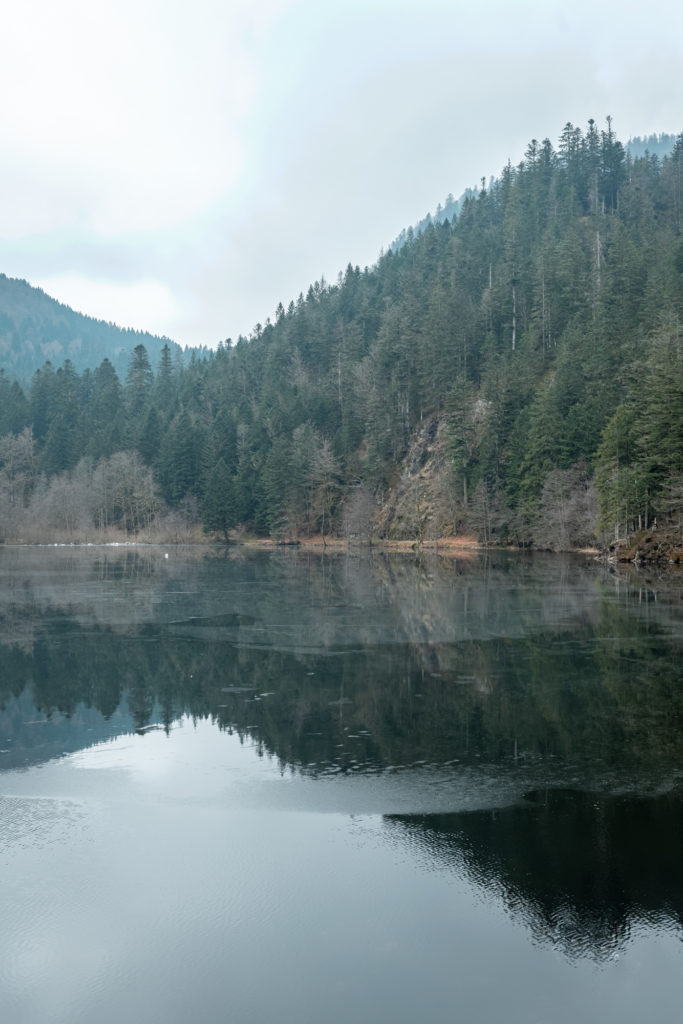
[{"x": 542, "y": 325}]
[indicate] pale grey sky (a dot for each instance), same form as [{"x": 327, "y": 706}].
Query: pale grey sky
[{"x": 183, "y": 167}]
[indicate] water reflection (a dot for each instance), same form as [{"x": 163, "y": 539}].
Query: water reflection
[
  {"x": 344, "y": 666},
  {"x": 583, "y": 870},
  {"x": 484, "y": 679}
]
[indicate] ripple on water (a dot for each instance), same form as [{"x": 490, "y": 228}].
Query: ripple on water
[
  {"x": 27, "y": 825},
  {"x": 36, "y": 822}
]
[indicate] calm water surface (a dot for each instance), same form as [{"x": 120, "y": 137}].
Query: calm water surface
[{"x": 287, "y": 787}]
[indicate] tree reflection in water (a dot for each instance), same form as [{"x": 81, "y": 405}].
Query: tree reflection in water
[{"x": 583, "y": 870}]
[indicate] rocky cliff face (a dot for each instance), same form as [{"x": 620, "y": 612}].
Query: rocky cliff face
[{"x": 421, "y": 504}]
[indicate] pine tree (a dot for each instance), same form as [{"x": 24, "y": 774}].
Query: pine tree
[
  {"x": 138, "y": 390},
  {"x": 219, "y": 511}
]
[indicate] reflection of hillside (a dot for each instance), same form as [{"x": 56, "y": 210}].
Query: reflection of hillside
[
  {"x": 28, "y": 736},
  {"x": 582, "y": 870},
  {"x": 566, "y": 697},
  {"x": 304, "y": 601},
  {"x": 351, "y": 663},
  {"x": 332, "y": 602},
  {"x": 112, "y": 586}
]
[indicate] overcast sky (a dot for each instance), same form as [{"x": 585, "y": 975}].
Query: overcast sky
[{"x": 183, "y": 167}]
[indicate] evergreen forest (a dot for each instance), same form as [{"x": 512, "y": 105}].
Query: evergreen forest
[
  {"x": 514, "y": 371},
  {"x": 35, "y": 327}
]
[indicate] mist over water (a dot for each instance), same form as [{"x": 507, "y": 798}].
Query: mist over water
[{"x": 325, "y": 787}]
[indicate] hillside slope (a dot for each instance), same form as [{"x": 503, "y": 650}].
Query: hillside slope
[
  {"x": 35, "y": 327},
  {"x": 515, "y": 373}
]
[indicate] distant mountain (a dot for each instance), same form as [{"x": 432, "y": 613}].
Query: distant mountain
[
  {"x": 35, "y": 327},
  {"x": 449, "y": 211},
  {"x": 659, "y": 145}
]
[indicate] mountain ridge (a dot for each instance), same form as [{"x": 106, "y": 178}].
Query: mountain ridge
[{"x": 35, "y": 328}]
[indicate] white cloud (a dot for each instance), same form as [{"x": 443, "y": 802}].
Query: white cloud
[{"x": 124, "y": 116}]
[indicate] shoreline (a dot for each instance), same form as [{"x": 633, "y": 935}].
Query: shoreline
[{"x": 464, "y": 545}]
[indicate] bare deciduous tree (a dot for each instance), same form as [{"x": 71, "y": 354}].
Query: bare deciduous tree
[{"x": 567, "y": 515}]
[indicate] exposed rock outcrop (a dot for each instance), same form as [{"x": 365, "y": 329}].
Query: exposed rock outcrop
[
  {"x": 421, "y": 505},
  {"x": 660, "y": 547}
]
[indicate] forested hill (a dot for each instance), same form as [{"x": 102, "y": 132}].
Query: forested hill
[
  {"x": 517, "y": 372},
  {"x": 35, "y": 328},
  {"x": 450, "y": 210},
  {"x": 660, "y": 144}
]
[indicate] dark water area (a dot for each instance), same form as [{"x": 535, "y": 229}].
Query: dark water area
[{"x": 261, "y": 786}]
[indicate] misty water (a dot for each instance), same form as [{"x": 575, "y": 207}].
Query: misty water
[{"x": 291, "y": 787}]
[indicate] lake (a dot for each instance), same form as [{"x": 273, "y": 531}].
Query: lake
[{"x": 293, "y": 787}]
